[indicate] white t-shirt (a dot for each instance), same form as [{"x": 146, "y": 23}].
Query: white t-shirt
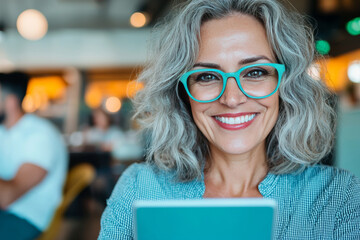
[
  {"x": 34, "y": 140},
  {"x": 97, "y": 136}
]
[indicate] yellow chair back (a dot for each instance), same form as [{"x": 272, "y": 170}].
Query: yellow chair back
[{"x": 79, "y": 177}]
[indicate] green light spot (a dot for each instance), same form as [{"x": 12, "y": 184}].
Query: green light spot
[
  {"x": 322, "y": 46},
  {"x": 353, "y": 26}
]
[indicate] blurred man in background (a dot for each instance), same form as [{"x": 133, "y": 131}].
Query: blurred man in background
[{"x": 33, "y": 164}]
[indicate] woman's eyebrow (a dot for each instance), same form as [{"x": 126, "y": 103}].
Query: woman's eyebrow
[
  {"x": 241, "y": 62},
  {"x": 254, "y": 59},
  {"x": 207, "y": 65}
]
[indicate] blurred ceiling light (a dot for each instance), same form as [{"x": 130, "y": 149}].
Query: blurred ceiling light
[
  {"x": 139, "y": 19},
  {"x": 353, "y": 26},
  {"x": 32, "y": 24},
  {"x": 112, "y": 104},
  {"x": 354, "y": 72}
]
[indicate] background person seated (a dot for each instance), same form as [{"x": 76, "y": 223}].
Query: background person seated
[
  {"x": 102, "y": 134},
  {"x": 33, "y": 164}
]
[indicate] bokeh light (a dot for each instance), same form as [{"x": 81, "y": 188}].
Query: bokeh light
[
  {"x": 354, "y": 72},
  {"x": 32, "y": 24},
  {"x": 314, "y": 71},
  {"x": 353, "y": 26},
  {"x": 322, "y": 46},
  {"x": 76, "y": 139},
  {"x": 93, "y": 97},
  {"x": 113, "y": 104},
  {"x": 28, "y": 104},
  {"x": 41, "y": 90},
  {"x": 138, "y": 19}
]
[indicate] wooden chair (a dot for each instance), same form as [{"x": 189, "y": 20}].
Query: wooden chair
[{"x": 79, "y": 177}]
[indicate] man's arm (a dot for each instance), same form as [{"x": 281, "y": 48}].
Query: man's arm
[{"x": 27, "y": 177}]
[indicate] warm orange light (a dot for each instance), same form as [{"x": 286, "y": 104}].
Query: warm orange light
[
  {"x": 138, "y": 19},
  {"x": 328, "y": 6},
  {"x": 44, "y": 101},
  {"x": 37, "y": 100},
  {"x": 334, "y": 70},
  {"x": 53, "y": 86},
  {"x": 334, "y": 74},
  {"x": 113, "y": 104},
  {"x": 97, "y": 90},
  {"x": 32, "y": 24},
  {"x": 28, "y": 104},
  {"x": 93, "y": 97},
  {"x": 40, "y": 90},
  {"x": 133, "y": 87}
]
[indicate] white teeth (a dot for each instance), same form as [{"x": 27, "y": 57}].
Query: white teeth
[{"x": 237, "y": 120}]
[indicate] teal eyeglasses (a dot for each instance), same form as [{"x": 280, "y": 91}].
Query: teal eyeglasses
[{"x": 255, "y": 81}]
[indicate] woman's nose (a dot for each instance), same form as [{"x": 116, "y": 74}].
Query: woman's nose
[{"x": 232, "y": 95}]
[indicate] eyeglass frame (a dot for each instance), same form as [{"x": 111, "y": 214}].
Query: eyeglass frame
[{"x": 279, "y": 67}]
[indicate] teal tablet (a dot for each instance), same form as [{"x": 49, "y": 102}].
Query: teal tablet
[{"x": 210, "y": 219}]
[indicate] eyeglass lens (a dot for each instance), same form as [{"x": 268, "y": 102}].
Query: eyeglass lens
[{"x": 257, "y": 81}]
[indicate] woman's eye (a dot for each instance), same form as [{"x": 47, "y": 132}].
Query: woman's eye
[
  {"x": 206, "y": 77},
  {"x": 255, "y": 73}
]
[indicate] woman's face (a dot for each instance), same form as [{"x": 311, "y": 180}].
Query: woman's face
[{"x": 228, "y": 44}]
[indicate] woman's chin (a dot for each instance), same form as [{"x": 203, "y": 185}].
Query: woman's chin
[{"x": 234, "y": 149}]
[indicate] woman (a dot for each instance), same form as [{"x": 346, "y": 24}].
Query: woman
[{"x": 232, "y": 112}]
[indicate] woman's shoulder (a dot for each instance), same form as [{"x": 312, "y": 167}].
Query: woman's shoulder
[
  {"x": 141, "y": 180},
  {"x": 320, "y": 179},
  {"x": 146, "y": 181},
  {"x": 133, "y": 173},
  {"x": 143, "y": 172},
  {"x": 333, "y": 175},
  {"x": 322, "y": 199},
  {"x": 339, "y": 194},
  {"x": 118, "y": 213},
  {"x": 317, "y": 180}
]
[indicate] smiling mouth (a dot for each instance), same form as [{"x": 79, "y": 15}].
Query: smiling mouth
[{"x": 236, "y": 120}]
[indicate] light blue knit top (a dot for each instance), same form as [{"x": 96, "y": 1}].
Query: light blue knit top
[{"x": 319, "y": 203}]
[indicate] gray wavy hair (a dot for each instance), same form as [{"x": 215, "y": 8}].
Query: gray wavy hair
[{"x": 304, "y": 131}]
